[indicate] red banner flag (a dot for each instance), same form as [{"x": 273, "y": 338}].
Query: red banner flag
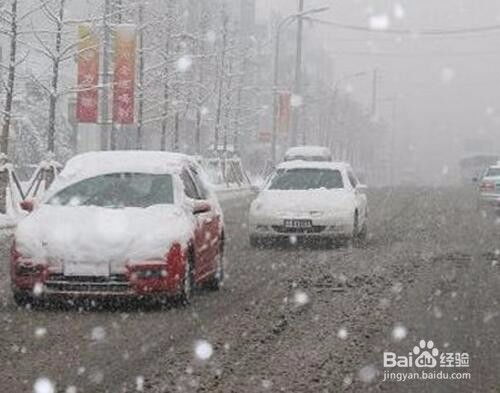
[
  {"x": 87, "y": 99},
  {"x": 124, "y": 74},
  {"x": 284, "y": 111}
]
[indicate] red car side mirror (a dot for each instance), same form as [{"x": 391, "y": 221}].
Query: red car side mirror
[{"x": 27, "y": 205}]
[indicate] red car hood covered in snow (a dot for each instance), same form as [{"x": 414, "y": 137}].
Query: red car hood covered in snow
[{"x": 94, "y": 235}]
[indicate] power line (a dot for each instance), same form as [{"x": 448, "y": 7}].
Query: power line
[
  {"x": 423, "y": 32},
  {"x": 408, "y": 55}
]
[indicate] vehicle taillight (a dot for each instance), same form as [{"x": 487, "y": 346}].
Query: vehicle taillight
[{"x": 487, "y": 186}]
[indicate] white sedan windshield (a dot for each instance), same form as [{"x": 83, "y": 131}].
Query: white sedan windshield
[{"x": 307, "y": 179}]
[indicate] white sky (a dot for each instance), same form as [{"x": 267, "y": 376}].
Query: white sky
[{"x": 433, "y": 118}]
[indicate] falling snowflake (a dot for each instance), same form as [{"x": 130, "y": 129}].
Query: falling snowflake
[
  {"x": 267, "y": 384},
  {"x": 399, "y": 11},
  {"x": 38, "y": 289},
  {"x": 211, "y": 36},
  {"x": 40, "y": 332},
  {"x": 71, "y": 389},
  {"x": 379, "y": 22},
  {"x": 447, "y": 75},
  {"x": 399, "y": 333},
  {"x": 44, "y": 385},
  {"x": 296, "y": 101},
  {"x": 139, "y": 383},
  {"x": 367, "y": 374},
  {"x": 203, "y": 350},
  {"x": 184, "y": 63},
  {"x": 384, "y": 303},
  {"x": 300, "y": 298},
  {"x": 293, "y": 240},
  {"x": 438, "y": 314},
  {"x": 97, "y": 377},
  {"x": 349, "y": 88},
  {"x": 98, "y": 333},
  {"x": 489, "y": 316},
  {"x": 397, "y": 288},
  {"x": 342, "y": 334},
  {"x": 347, "y": 380}
]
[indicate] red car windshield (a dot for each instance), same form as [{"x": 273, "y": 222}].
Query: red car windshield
[{"x": 118, "y": 190}]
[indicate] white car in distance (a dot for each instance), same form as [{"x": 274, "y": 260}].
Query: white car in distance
[
  {"x": 489, "y": 188},
  {"x": 308, "y": 153},
  {"x": 309, "y": 200}
]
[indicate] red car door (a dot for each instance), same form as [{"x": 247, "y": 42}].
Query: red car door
[
  {"x": 202, "y": 235},
  {"x": 214, "y": 222}
]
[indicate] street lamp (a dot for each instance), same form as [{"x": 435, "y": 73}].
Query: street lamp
[{"x": 282, "y": 24}]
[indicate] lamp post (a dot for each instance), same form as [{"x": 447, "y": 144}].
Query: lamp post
[{"x": 280, "y": 26}]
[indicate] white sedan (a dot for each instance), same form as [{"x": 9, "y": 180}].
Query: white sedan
[{"x": 310, "y": 199}]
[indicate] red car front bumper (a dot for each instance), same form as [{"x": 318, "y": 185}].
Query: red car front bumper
[{"x": 150, "y": 278}]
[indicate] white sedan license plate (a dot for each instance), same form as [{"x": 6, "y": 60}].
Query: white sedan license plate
[
  {"x": 298, "y": 223},
  {"x": 79, "y": 268}
]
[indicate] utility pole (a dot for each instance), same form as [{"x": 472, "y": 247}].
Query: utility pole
[
  {"x": 140, "y": 115},
  {"x": 276, "y": 71},
  {"x": 11, "y": 78},
  {"x": 275, "y": 94},
  {"x": 166, "y": 97},
  {"x": 105, "y": 121},
  {"x": 221, "y": 74},
  {"x": 374, "y": 93},
  {"x": 113, "y": 141},
  {"x": 55, "y": 79},
  {"x": 298, "y": 72}
]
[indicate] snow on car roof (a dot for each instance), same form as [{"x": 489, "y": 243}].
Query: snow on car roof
[
  {"x": 308, "y": 151},
  {"x": 93, "y": 163},
  {"x": 313, "y": 164},
  {"x": 87, "y": 165}
]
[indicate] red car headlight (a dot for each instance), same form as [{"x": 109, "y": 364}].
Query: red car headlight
[
  {"x": 27, "y": 268},
  {"x": 150, "y": 273},
  {"x": 26, "y": 272}
]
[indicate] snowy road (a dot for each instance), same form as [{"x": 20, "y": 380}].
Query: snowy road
[{"x": 289, "y": 319}]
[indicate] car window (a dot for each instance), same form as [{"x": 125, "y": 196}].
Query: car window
[
  {"x": 493, "y": 172},
  {"x": 189, "y": 185},
  {"x": 352, "y": 179},
  {"x": 306, "y": 179},
  {"x": 118, "y": 190},
  {"x": 202, "y": 190}
]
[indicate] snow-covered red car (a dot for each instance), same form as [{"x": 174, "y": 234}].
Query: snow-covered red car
[
  {"x": 124, "y": 223},
  {"x": 310, "y": 200}
]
